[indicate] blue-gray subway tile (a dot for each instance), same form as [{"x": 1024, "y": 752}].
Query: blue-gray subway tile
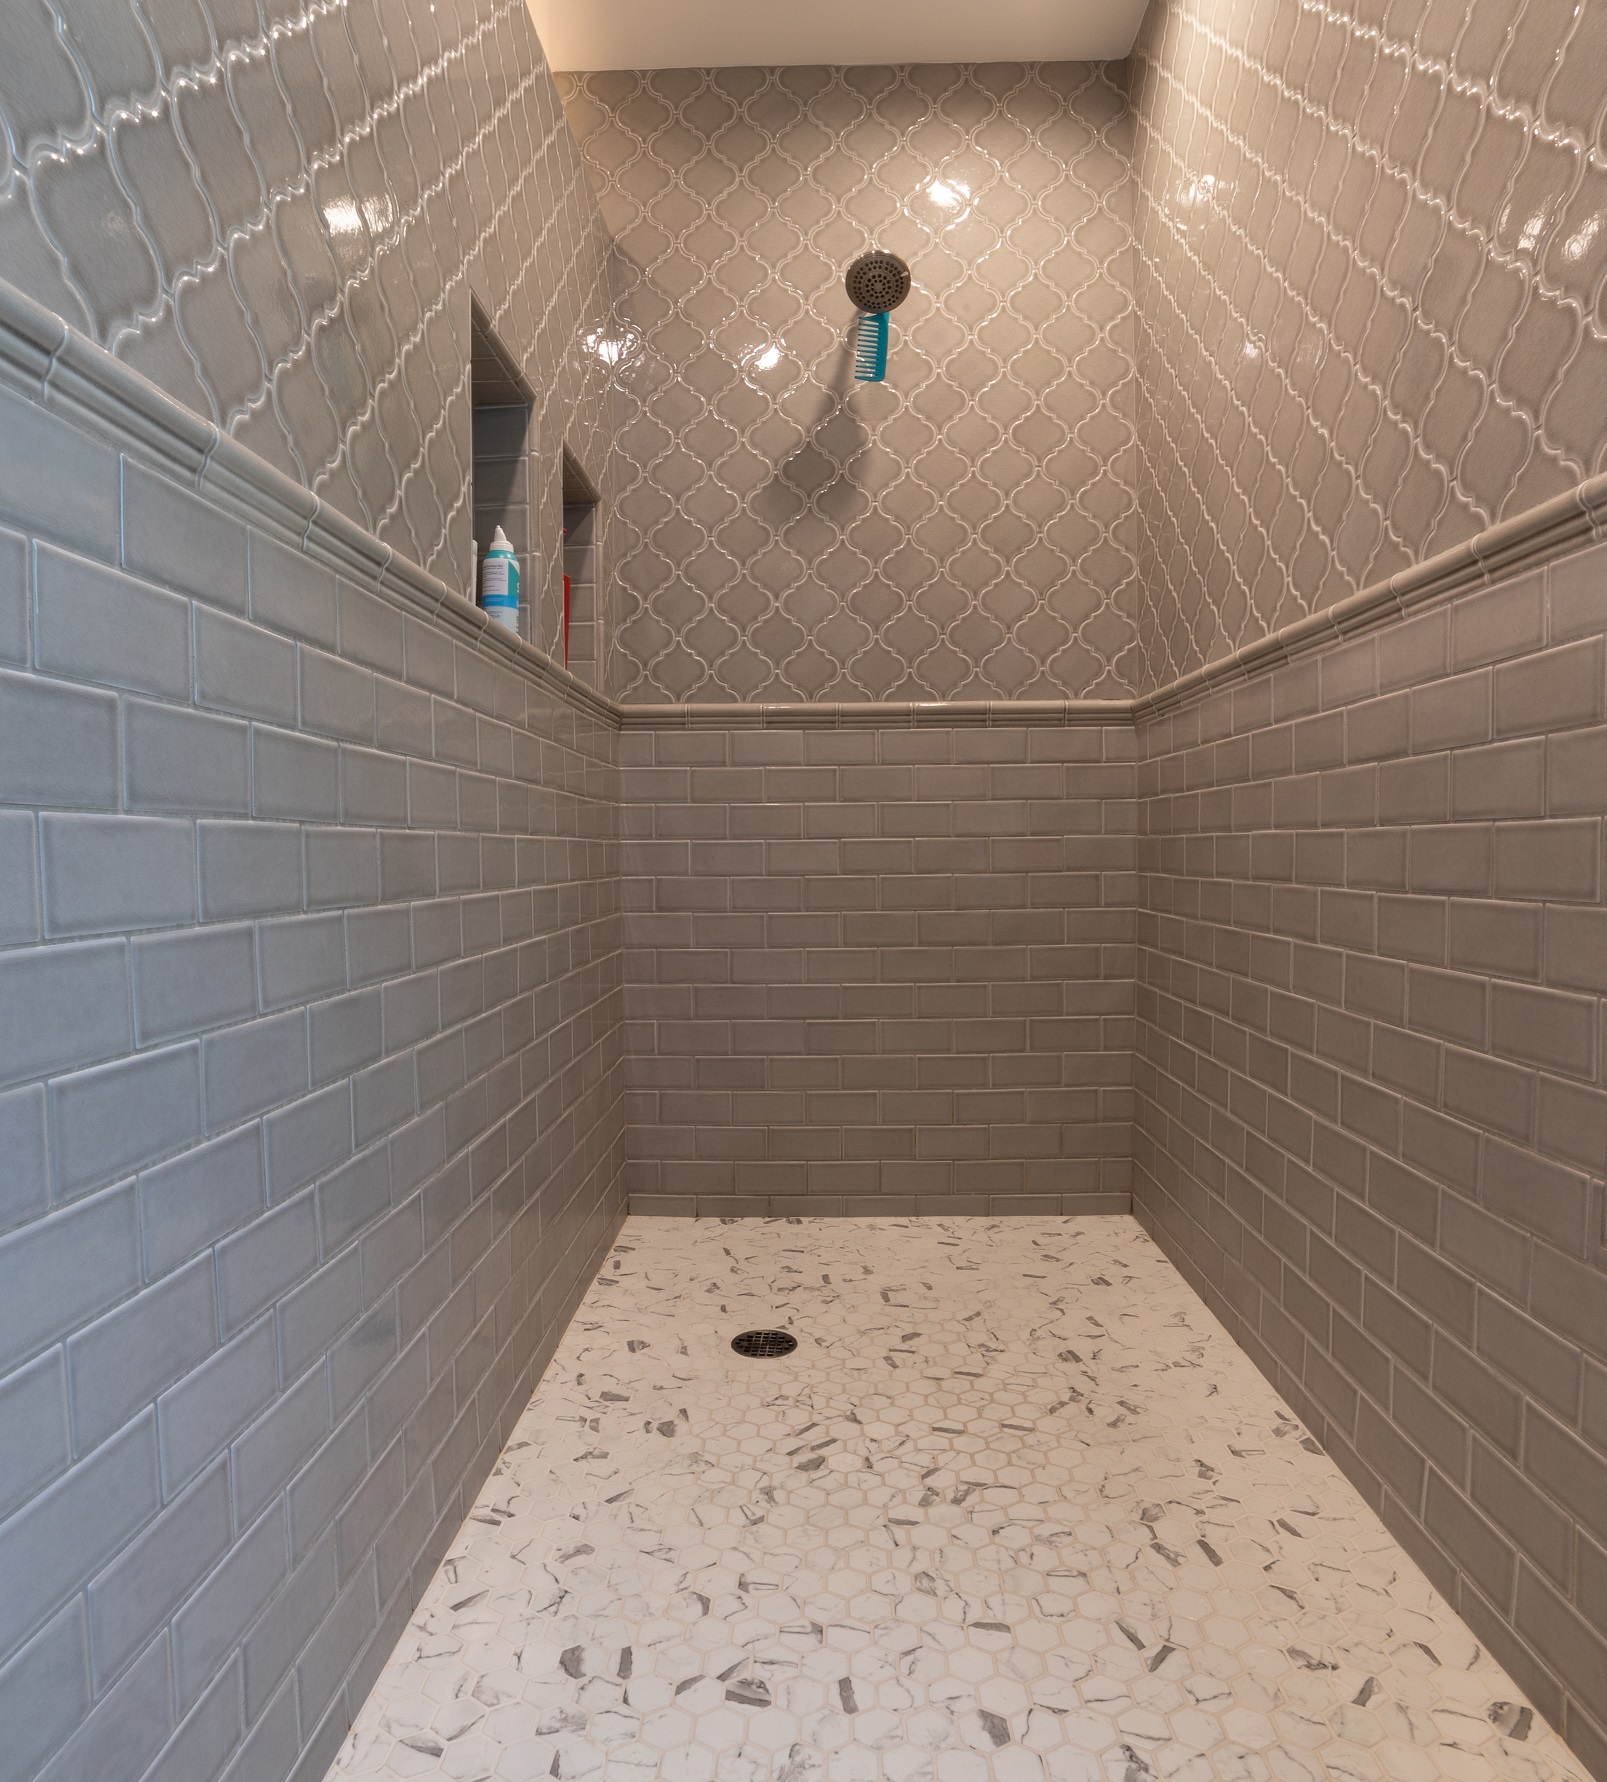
[
  {"x": 412, "y": 1010},
  {"x": 328, "y": 1479},
  {"x": 291, "y": 591},
  {"x": 243, "y": 669},
  {"x": 432, "y": 796},
  {"x": 178, "y": 539},
  {"x": 156, "y": 1571},
  {"x": 391, "y": 1249},
  {"x": 406, "y": 864},
  {"x": 64, "y": 1006},
  {"x": 119, "y": 1117},
  {"x": 437, "y": 931},
  {"x": 276, "y": 1447},
  {"x": 268, "y": 1751},
  {"x": 342, "y": 868},
  {"x": 44, "y": 1694},
  {"x": 199, "y": 1417},
  {"x": 430, "y": 657},
  {"x": 250, "y": 869},
  {"x": 314, "y": 1313},
  {"x": 337, "y": 698},
  {"x": 34, "y": 1440},
  {"x": 373, "y": 787},
  {"x": 59, "y": 1272},
  {"x": 383, "y": 1097},
  {"x": 417, "y": 1151},
  {"x": 102, "y": 873},
  {"x": 25, "y": 1181},
  {"x": 299, "y": 958},
  {"x": 359, "y": 1358},
  {"x": 69, "y": 1531},
  {"x": 127, "y": 1727},
  {"x": 404, "y": 721},
  {"x": 346, "y": 1034},
  {"x": 353, "y": 1196},
  {"x": 370, "y": 629},
  {"x": 206, "y": 1737},
  {"x": 253, "y": 1068},
  {"x": 307, "y": 1139},
  {"x": 14, "y": 601},
  {"x": 58, "y": 744},
  {"x": 178, "y": 760},
  {"x": 456, "y": 737},
  {"x": 334, "y": 1647},
  {"x": 257, "y": 1265},
  {"x": 118, "y": 1365},
  {"x": 379, "y": 944},
  {"x": 397, "y": 1394},
  {"x": 194, "y": 979},
  {"x": 187, "y": 1205},
  {"x": 212, "y": 1623},
  {"x": 294, "y": 776},
  {"x": 98, "y": 625},
  {"x": 19, "y": 879}
]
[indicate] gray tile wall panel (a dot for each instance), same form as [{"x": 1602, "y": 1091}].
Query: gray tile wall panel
[
  {"x": 230, "y": 1348},
  {"x": 879, "y": 969},
  {"x": 44, "y": 1694},
  {"x": 1371, "y": 1092},
  {"x": 964, "y": 530},
  {"x": 1335, "y": 945}
]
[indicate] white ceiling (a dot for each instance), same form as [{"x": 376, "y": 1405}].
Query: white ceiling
[{"x": 582, "y": 35}]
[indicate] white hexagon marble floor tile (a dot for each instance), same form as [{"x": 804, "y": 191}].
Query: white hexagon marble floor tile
[{"x": 1016, "y": 1510}]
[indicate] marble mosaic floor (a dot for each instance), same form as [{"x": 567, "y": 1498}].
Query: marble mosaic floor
[{"x": 1017, "y": 1510}]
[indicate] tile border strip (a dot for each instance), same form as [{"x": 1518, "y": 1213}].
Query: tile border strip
[
  {"x": 959, "y": 714},
  {"x": 48, "y": 362}
]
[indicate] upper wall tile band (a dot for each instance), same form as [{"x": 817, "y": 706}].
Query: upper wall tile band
[
  {"x": 965, "y": 530},
  {"x": 280, "y": 216},
  {"x": 44, "y": 360}
]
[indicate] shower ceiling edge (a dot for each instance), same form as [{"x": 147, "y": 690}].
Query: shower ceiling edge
[{"x": 609, "y": 34}]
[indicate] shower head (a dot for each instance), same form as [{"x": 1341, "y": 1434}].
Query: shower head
[{"x": 877, "y": 282}]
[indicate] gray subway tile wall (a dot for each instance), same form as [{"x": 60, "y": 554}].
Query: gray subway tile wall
[
  {"x": 1371, "y": 1119},
  {"x": 879, "y": 969},
  {"x": 313, "y": 1123}
]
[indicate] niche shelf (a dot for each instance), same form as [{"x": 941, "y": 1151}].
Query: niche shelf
[{"x": 504, "y": 445}]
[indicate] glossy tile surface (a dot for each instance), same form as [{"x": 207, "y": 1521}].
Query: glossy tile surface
[
  {"x": 964, "y": 530},
  {"x": 1369, "y": 245},
  {"x": 1017, "y": 1509},
  {"x": 277, "y": 210}
]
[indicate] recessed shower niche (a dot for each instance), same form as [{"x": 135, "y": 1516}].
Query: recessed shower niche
[{"x": 504, "y": 444}]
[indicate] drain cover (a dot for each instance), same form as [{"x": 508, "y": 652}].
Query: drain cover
[{"x": 764, "y": 1345}]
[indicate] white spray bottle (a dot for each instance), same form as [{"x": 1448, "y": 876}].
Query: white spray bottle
[{"x": 499, "y": 582}]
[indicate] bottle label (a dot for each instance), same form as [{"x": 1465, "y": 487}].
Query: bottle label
[{"x": 494, "y": 578}]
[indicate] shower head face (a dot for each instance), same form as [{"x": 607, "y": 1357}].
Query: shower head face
[{"x": 877, "y": 282}]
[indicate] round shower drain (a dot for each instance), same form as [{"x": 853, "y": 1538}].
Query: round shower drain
[{"x": 764, "y": 1345}]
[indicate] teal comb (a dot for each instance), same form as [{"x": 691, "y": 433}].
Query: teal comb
[{"x": 870, "y": 349}]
